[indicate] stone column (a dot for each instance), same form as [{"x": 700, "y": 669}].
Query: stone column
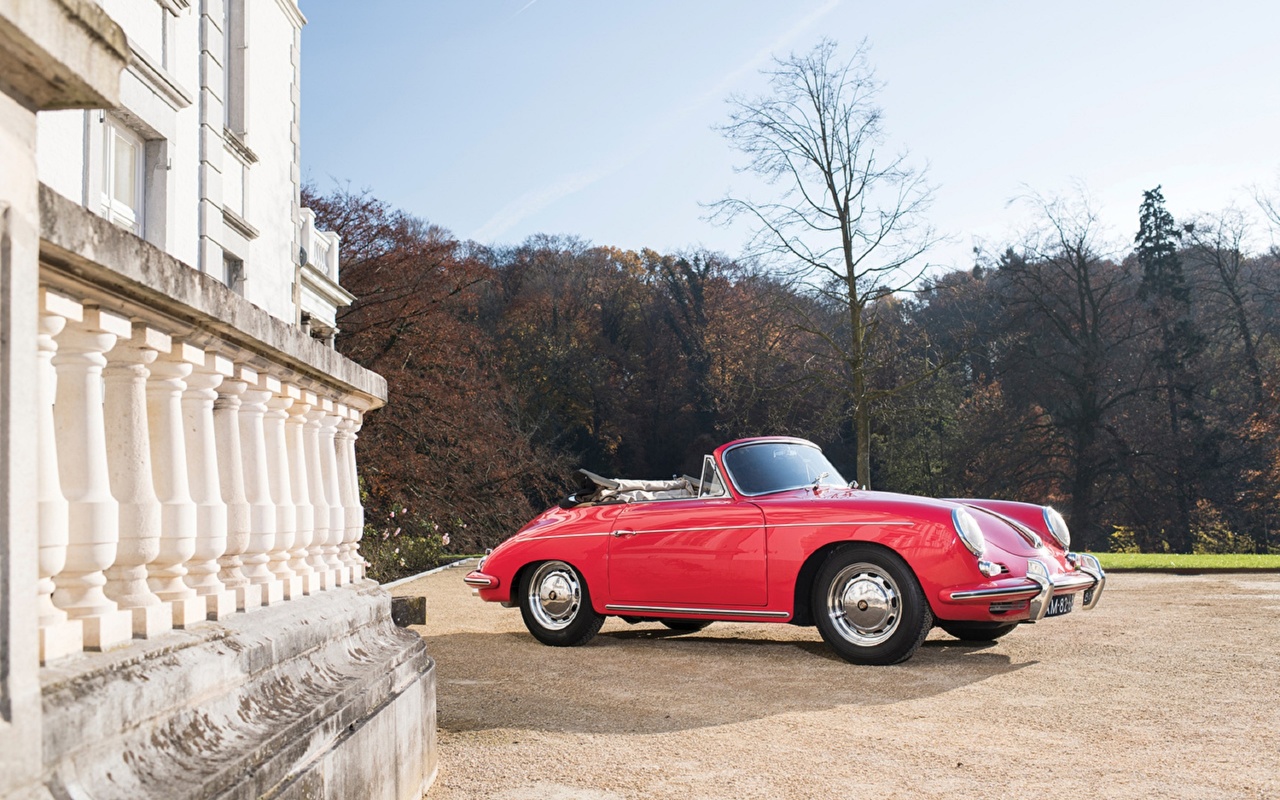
[
  {"x": 353, "y": 512},
  {"x": 129, "y": 468},
  {"x": 206, "y": 489},
  {"x": 337, "y": 517},
  {"x": 281, "y": 491},
  {"x": 93, "y": 516},
  {"x": 54, "y": 55},
  {"x": 59, "y": 635},
  {"x": 319, "y": 501},
  {"x": 169, "y": 462},
  {"x": 257, "y": 490},
  {"x": 226, "y": 430},
  {"x": 300, "y": 490}
]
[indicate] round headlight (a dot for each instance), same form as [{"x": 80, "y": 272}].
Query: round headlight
[
  {"x": 1057, "y": 527},
  {"x": 969, "y": 532}
]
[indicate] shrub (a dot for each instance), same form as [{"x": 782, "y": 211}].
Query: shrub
[
  {"x": 1210, "y": 533},
  {"x": 1123, "y": 540}
]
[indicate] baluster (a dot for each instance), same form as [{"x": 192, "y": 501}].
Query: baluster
[
  {"x": 320, "y": 505},
  {"x": 206, "y": 489},
  {"x": 129, "y": 467},
  {"x": 59, "y": 635},
  {"x": 169, "y": 462},
  {"x": 226, "y": 425},
  {"x": 299, "y": 488},
  {"x": 337, "y": 517},
  {"x": 353, "y": 512},
  {"x": 281, "y": 491},
  {"x": 93, "y": 517},
  {"x": 257, "y": 490}
]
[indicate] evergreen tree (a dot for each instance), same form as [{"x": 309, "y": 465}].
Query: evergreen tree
[{"x": 1168, "y": 298}]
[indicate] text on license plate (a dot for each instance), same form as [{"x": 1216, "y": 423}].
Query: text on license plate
[{"x": 1062, "y": 604}]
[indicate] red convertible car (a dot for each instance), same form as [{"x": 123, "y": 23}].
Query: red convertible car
[{"x": 770, "y": 532}]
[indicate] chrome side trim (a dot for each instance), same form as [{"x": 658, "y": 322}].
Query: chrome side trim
[
  {"x": 573, "y": 535},
  {"x": 767, "y": 525},
  {"x": 719, "y": 612}
]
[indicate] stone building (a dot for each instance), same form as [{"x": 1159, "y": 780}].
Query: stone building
[{"x": 183, "y": 607}]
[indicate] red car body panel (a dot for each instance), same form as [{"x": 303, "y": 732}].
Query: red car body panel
[{"x": 745, "y": 557}]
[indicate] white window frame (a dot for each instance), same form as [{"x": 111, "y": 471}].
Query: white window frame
[{"x": 121, "y": 213}]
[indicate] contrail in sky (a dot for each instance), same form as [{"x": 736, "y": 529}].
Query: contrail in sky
[
  {"x": 534, "y": 200},
  {"x": 523, "y": 7}
]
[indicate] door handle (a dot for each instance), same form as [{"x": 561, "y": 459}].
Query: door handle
[{"x": 624, "y": 533}]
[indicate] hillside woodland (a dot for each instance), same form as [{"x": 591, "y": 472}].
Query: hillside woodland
[{"x": 1132, "y": 386}]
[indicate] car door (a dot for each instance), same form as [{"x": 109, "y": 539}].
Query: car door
[{"x": 708, "y": 552}]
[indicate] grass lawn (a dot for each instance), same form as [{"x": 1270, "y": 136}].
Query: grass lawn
[{"x": 1179, "y": 561}]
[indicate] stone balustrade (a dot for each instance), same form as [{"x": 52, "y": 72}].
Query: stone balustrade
[
  {"x": 187, "y": 470},
  {"x": 320, "y": 294}
]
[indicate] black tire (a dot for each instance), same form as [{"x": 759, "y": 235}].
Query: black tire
[
  {"x": 869, "y": 607},
  {"x": 686, "y": 625},
  {"x": 556, "y": 605},
  {"x": 977, "y": 631}
]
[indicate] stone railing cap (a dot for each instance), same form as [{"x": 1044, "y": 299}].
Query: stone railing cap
[{"x": 61, "y": 53}]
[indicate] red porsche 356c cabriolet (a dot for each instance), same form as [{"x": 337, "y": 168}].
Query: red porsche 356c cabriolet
[{"x": 770, "y": 532}]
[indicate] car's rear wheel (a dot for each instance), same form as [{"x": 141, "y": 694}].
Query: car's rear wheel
[
  {"x": 869, "y": 606},
  {"x": 556, "y": 605},
  {"x": 977, "y": 631},
  {"x": 686, "y": 625}
]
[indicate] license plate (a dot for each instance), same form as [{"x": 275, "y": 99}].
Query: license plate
[{"x": 1062, "y": 604}]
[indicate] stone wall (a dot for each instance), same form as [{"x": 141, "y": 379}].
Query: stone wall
[{"x": 183, "y": 612}]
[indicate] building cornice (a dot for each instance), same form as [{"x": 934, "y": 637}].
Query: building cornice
[
  {"x": 326, "y": 287},
  {"x": 291, "y": 10}
]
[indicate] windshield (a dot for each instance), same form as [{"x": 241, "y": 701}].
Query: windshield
[{"x": 769, "y": 467}]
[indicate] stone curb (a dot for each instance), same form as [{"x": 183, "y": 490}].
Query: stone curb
[{"x": 452, "y": 565}]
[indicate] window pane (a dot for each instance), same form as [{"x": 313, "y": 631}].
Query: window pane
[{"x": 126, "y": 171}]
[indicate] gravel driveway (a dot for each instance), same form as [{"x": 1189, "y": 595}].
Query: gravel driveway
[{"x": 1169, "y": 689}]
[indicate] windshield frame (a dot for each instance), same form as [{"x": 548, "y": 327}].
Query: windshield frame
[{"x": 737, "y": 487}]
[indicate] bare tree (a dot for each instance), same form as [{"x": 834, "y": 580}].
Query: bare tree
[
  {"x": 1217, "y": 245},
  {"x": 848, "y": 224},
  {"x": 1073, "y": 351}
]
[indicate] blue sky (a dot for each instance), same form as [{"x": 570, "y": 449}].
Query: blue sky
[{"x": 499, "y": 119}]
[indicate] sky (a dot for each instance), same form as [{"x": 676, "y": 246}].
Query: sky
[{"x": 500, "y": 119}]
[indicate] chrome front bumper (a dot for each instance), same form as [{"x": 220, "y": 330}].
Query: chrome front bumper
[{"x": 1039, "y": 587}]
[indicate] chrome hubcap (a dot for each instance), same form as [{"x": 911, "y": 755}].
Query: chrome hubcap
[
  {"x": 555, "y": 595},
  {"x": 864, "y": 604}
]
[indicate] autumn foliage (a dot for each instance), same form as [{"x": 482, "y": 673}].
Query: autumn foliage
[{"x": 1048, "y": 378}]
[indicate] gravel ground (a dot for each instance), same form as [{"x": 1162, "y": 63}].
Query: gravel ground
[{"x": 1168, "y": 689}]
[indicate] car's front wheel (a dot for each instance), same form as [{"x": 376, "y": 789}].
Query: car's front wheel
[
  {"x": 976, "y": 631},
  {"x": 869, "y": 607},
  {"x": 556, "y": 605}
]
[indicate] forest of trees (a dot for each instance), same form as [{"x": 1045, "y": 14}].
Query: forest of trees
[{"x": 1133, "y": 386}]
